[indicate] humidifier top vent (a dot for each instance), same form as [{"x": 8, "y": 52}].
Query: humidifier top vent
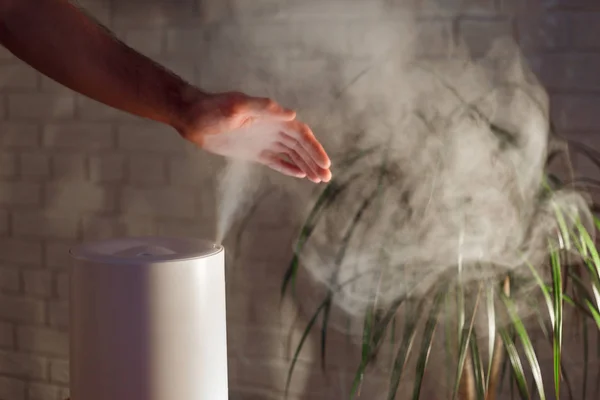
[{"x": 149, "y": 249}]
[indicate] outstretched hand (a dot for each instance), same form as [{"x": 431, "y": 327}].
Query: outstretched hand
[
  {"x": 238, "y": 126},
  {"x": 60, "y": 41}
]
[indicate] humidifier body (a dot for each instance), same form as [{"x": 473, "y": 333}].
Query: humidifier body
[{"x": 148, "y": 320}]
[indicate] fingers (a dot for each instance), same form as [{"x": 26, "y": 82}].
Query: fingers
[
  {"x": 300, "y": 144},
  {"x": 262, "y": 107},
  {"x": 313, "y": 171},
  {"x": 306, "y": 138},
  {"x": 300, "y": 162},
  {"x": 274, "y": 162}
]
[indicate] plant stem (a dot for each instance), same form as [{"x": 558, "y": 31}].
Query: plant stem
[{"x": 467, "y": 381}]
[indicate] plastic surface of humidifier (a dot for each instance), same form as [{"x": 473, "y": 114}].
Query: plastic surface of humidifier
[{"x": 148, "y": 320}]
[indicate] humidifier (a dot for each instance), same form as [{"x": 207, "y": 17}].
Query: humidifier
[{"x": 148, "y": 320}]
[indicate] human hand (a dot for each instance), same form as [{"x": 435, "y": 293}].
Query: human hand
[{"x": 239, "y": 126}]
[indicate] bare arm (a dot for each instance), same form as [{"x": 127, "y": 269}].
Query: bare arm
[{"x": 60, "y": 41}]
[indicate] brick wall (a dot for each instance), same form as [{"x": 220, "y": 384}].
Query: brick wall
[{"x": 73, "y": 169}]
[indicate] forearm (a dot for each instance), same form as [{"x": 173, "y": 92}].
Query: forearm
[{"x": 61, "y": 42}]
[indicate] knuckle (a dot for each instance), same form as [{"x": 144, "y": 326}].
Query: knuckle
[
  {"x": 235, "y": 104},
  {"x": 233, "y": 108},
  {"x": 271, "y": 104},
  {"x": 267, "y": 105}
]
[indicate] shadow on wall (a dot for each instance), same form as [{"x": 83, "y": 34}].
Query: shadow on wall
[{"x": 74, "y": 170}]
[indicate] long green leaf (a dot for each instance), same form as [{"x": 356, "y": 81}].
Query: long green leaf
[
  {"x": 404, "y": 351},
  {"x": 596, "y": 222},
  {"x": 479, "y": 374},
  {"x": 565, "y": 375},
  {"x": 365, "y": 353},
  {"x": 324, "y": 327},
  {"x": 381, "y": 325},
  {"x": 593, "y": 265},
  {"x": 540, "y": 318},
  {"x": 301, "y": 344},
  {"x": 545, "y": 292},
  {"x": 581, "y": 304},
  {"x": 591, "y": 247},
  {"x": 526, "y": 343},
  {"x": 367, "y": 340},
  {"x": 564, "y": 233},
  {"x": 558, "y": 321},
  {"x": 353, "y": 225},
  {"x": 491, "y": 312},
  {"x": 515, "y": 360},
  {"x": 427, "y": 342},
  {"x": 579, "y": 285},
  {"x": 465, "y": 337},
  {"x": 595, "y": 313},
  {"x": 327, "y": 197},
  {"x": 331, "y": 191},
  {"x": 449, "y": 345},
  {"x": 367, "y": 345}
]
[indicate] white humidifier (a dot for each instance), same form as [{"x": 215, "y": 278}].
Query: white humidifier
[{"x": 148, "y": 320}]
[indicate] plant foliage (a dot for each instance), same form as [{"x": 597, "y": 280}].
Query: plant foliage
[{"x": 568, "y": 283}]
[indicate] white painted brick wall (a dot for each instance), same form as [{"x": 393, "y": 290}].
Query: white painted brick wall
[
  {"x": 59, "y": 371},
  {"x": 62, "y": 286},
  {"x": 57, "y": 254},
  {"x": 58, "y": 314},
  {"x": 164, "y": 202},
  {"x": 33, "y": 164},
  {"x": 81, "y": 136},
  {"x": 69, "y": 167},
  {"x": 149, "y": 137},
  {"x": 10, "y": 281},
  {"x": 107, "y": 167},
  {"x": 40, "y": 106},
  {"x": 40, "y": 391},
  {"x": 12, "y": 388},
  {"x": 89, "y": 197},
  {"x": 37, "y": 283},
  {"x": 19, "y": 135},
  {"x": 21, "y": 365},
  {"x": 147, "y": 170},
  {"x": 38, "y": 224},
  {"x": 45, "y": 341},
  {"x": 73, "y": 169},
  {"x": 17, "y": 76},
  {"x": 26, "y": 252},
  {"x": 18, "y": 308},
  {"x": 7, "y": 335}
]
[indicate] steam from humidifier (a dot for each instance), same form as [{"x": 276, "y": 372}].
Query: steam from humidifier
[
  {"x": 465, "y": 141},
  {"x": 235, "y": 193}
]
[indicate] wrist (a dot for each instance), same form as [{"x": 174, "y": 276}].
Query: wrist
[{"x": 186, "y": 102}]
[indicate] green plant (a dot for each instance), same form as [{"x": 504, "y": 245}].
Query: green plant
[
  {"x": 568, "y": 282},
  {"x": 564, "y": 283}
]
